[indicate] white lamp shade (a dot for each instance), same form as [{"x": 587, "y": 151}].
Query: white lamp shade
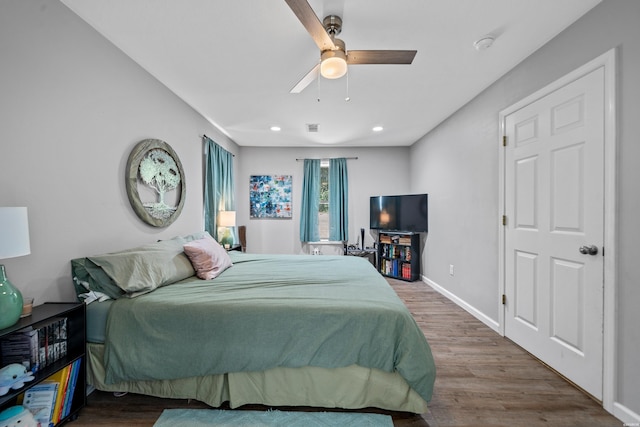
[
  {"x": 226, "y": 219},
  {"x": 14, "y": 232}
]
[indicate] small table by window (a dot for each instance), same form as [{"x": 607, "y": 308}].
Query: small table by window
[{"x": 369, "y": 253}]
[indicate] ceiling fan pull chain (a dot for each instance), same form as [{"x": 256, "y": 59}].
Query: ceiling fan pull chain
[
  {"x": 318, "y": 79},
  {"x": 348, "y": 98}
]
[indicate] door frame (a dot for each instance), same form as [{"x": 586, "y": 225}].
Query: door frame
[{"x": 608, "y": 62}]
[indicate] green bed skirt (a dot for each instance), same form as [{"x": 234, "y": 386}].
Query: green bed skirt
[{"x": 352, "y": 387}]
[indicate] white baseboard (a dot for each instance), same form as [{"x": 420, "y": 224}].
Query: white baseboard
[
  {"x": 626, "y": 415},
  {"x": 464, "y": 305}
]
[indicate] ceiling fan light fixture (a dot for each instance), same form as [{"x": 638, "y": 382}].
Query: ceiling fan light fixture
[
  {"x": 333, "y": 63},
  {"x": 333, "y": 67}
]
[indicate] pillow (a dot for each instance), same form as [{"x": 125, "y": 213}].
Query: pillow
[
  {"x": 208, "y": 258},
  {"x": 85, "y": 271},
  {"x": 145, "y": 268}
]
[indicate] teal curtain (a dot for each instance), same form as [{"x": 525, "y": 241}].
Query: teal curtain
[
  {"x": 219, "y": 189},
  {"x": 310, "y": 201},
  {"x": 338, "y": 200}
]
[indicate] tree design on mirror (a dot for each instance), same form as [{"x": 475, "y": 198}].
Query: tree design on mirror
[{"x": 154, "y": 170}]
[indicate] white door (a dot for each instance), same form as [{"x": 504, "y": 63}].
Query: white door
[{"x": 554, "y": 233}]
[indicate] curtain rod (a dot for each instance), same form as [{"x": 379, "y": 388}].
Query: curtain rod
[
  {"x": 205, "y": 136},
  {"x": 348, "y": 158}
]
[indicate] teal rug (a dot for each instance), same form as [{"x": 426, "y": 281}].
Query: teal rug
[{"x": 237, "y": 418}]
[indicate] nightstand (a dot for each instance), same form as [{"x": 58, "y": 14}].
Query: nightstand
[{"x": 55, "y": 321}]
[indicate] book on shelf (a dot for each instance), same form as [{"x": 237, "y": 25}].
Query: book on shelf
[
  {"x": 406, "y": 271},
  {"x": 44, "y": 336},
  {"x": 62, "y": 338},
  {"x": 40, "y": 400},
  {"x": 35, "y": 346},
  {"x": 73, "y": 380},
  {"x": 50, "y": 401},
  {"x": 62, "y": 378},
  {"x": 396, "y": 268},
  {"x": 20, "y": 347}
]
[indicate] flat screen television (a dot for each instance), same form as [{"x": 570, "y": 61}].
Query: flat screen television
[{"x": 399, "y": 213}]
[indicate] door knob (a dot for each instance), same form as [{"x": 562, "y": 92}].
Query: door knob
[{"x": 589, "y": 250}]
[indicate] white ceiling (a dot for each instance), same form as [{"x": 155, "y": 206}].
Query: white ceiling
[{"x": 235, "y": 61}]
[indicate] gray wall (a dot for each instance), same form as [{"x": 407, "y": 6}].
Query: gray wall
[
  {"x": 457, "y": 164},
  {"x": 72, "y": 108},
  {"x": 377, "y": 171}
]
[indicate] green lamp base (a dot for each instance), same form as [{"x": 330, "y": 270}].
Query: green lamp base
[
  {"x": 10, "y": 301},
  {"x": 226, "y": 240}
]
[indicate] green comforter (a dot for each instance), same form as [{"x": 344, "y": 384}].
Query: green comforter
[{"x": 269, "y": 311}]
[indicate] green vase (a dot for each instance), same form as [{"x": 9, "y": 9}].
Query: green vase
[
  {"x": 226, "y": 240},
  {"x": 10, "y": 301}
]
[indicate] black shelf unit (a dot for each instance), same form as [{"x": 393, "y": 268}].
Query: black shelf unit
[
  {"x": 399, "y": 255},
  {"x": 75, "y": 313}
]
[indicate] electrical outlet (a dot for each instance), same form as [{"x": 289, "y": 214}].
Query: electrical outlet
[{"x": 451, "y": 269}]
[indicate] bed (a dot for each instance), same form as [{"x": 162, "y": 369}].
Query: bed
[{"x": 277, "y": 330}]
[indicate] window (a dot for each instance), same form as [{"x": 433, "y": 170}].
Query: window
[
  {"x": 323, "y": 215},
  {"x": 323, "y": 206}
]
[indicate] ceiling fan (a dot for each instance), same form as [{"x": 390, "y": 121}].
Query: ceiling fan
[{"x": 334, "y": 56}]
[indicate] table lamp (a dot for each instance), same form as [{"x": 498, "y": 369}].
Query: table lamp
[
  {"x": 226, "y": 219},
  {"x": 14, "y": 242}
]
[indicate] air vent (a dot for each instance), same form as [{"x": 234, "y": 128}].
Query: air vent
[{"x": 312, "y": 127}]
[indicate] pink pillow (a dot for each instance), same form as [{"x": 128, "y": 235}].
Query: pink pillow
[{"x": 208, "y": 258}]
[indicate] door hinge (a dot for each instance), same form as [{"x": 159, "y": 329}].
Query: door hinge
[
  {"x": 504, "y": 140},
  {"x": 504, "y": 299},
  {"x": 504, "y": 220}
]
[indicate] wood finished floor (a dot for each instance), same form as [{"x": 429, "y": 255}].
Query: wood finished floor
[{"x": 482, "y": 380}]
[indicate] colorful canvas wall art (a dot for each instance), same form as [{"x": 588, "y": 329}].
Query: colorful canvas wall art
[{"x": 270, "y": 196}]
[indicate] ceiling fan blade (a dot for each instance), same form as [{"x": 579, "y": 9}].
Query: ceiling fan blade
[
  {"x": 306, "y": 80},
  {"x": 310, "y": 21},
  {"x": 380, "y": 56}
]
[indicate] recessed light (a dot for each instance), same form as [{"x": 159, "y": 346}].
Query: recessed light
[
  {"x": 275, "y": 128},
  {"x": 377, "y": 128},
  {"x": 484, "y": 42}
]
